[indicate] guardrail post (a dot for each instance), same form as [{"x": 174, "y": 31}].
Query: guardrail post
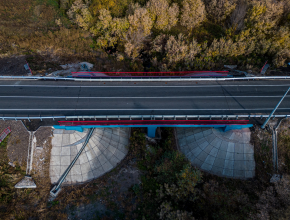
[{"x": 265, "y": 123}]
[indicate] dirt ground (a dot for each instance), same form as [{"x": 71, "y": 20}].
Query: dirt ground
[
  {"x": 112, "y": 196},
  {"x": 282, "y": 71},
  {"x": 41, "y": 152},
  {"x": 13, "y": 66},
  {"x": 17, "y": 146}
]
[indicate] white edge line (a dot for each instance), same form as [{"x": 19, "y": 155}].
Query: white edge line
[
  {"x": 164, "y": 86},
  {"x": 191, "y": 97},
  {"x": 165, "y": 97},
  {"x": 142, "y": 109}
]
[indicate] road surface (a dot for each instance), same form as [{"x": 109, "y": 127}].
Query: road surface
[{"x": 58, "y": 98}]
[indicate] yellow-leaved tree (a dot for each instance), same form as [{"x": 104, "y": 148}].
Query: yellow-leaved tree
[{"x": 192, "y": 13}]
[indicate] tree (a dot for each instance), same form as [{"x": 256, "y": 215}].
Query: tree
[
  {"x": 192, "y": 13},
  {"x": 164, "y": 16},
  {"x": 219, "y": 10},
  {"x": 79, "y": 13},
  {"x": 139, "y": 30}
]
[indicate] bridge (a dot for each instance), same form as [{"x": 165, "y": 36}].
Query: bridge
[
  {"x": 216, "y": 101},
  {"x": 75, "y": 105}
]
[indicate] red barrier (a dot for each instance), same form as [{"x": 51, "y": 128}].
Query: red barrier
[{"x": 151, "y": 74}]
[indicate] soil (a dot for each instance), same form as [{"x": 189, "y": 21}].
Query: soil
[
  {"x": 113, "y": 197},
  {"x": 13, "y": 66},
  {"x": 41, "y": 152},
  {"x": 282, "y": 71},
  {"x": 17, "y": 146}
]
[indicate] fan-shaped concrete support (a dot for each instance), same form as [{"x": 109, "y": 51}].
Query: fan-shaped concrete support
[
  {"x": 228, "y": 154},
  {"x": 106, "y": 148}
]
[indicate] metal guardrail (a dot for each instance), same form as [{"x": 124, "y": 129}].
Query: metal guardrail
[
  {"x": 142, "y": 117},
  {"x": 135, "y": 79}
]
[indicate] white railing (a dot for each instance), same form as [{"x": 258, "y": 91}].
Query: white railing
[{"x": 141, "y": 117}]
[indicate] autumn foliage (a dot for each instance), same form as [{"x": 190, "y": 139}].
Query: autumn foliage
[{"x": 170, "y": 34}]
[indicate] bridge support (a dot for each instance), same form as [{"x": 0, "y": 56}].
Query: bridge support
[
  {"x": 151, "y": 131},
  {"x": 233, "y": 127}
]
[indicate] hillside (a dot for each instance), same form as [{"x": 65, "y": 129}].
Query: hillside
[{"x": 149, "y": 35}]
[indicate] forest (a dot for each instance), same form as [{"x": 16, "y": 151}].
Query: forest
[
  {"x": 151, "y": 35},
  {"x": 187, "y": 34}
]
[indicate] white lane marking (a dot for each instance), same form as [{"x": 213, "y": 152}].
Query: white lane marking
[
  {"x": 164, "y": 86},
  {"x": 137, "y": 97},
  {"x": 133, "y": 109}
]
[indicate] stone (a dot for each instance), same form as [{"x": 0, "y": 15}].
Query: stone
[
  {"x": 231, "y": 66},
  {"x": 221, "y": 154},
  {"x": 230, "y": 156},
  {"x": 65, "y": 151},
  {"x": 85, "y": 167},
  {"x": 210, "y": 160},
  {"x": 65, "y": 160},
  {"x": 198, "y": 135},
  {"x": 76, "y": 170},
  {"x": 206, "y": 166},
  {"x": 229, "y": 164},
  {"x": 219, "y": 162},
  {"x": 107, "y": 166}
]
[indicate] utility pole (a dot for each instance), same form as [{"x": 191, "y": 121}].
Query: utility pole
[{"x": 263, "y": 126}]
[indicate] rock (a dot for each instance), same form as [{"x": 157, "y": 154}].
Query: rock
[
  {"x": 72, "y": 65},
  {"x": 150, "y": 139},
  {"x": 275, "y": 178},
  {"x": 231, "y": 66},
  {"x": 89, "y": 65},
  {"x": 11, "y": 164},
  {"x": 77, "y": 65}
]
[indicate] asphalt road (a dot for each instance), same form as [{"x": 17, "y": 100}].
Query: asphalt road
[{"x": 45, "y": 98}]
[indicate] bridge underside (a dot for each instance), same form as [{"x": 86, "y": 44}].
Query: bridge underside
[{"x": 152, "y": 125}]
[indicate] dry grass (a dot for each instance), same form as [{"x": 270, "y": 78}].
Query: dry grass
[{"x": 29, "y": 27}]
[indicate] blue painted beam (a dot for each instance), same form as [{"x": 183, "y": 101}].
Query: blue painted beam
[
  {"x": 152, "y": 128},
  {"x": 151, "y": 131}
]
